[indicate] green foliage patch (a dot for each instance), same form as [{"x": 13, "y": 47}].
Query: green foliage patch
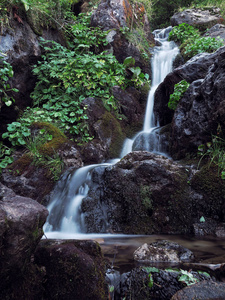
[
  {"x": 6, "y": 72},
  {"x": 66, "y": 76},
  {"x": 191, "y": 41},
  {"x": 179, "y": 90}
]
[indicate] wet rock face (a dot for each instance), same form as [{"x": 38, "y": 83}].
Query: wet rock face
[
  {"x": 21, "y": 230},
  {"x": 216, "y": 31},
  {"x": 194, "y": 69},
  {"x": 199, "y": 111},
  {"x": 73, "y": 269},
  {"x": 204, "y": 290},
  {"x": 163, "y": 251},
  {"x": 146, "y": 193},
  {"x": 139, "y": 195},
  {"x": 201, "y": 19},
  {"x": 106, "y": 130}
]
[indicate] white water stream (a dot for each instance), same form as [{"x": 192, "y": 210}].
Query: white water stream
[{"x": 65, "y": 218}]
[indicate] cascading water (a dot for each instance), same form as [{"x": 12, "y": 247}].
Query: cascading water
[
  {"x": 64, "y": 208},
  {"x": 162, "y": 63}
]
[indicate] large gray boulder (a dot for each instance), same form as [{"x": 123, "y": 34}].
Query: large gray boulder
[
  {"x": 199, "y": 18},
  {"x": 162, "y": 251}
]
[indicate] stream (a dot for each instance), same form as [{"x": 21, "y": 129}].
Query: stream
[{"x": 65, "y": 219}]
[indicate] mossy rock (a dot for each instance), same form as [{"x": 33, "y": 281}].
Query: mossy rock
[
  {"x": 112, "y": 130},
  {"x": 48, "y": 149},
  {"x": 209, "y": 183},
  {"x": 58, "y": 138},
  {"x": 74, "y": 270}
]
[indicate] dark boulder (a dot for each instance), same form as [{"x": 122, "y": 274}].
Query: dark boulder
[
  {"x": 201, "y": 19},
  {"x": 21, "y": 230},
  {"x": 196, "y": 68},
  {"x": 205, "y": 290},
  {"x": 73, "y": 270},
  {"x": 151, "y": 283},
  {"x": 139, "y": 195},
  {"x": 146, "y": 193},
  {"x": 199, "y": 111}
]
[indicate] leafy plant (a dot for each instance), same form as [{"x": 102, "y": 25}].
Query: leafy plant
[
  {"x": 6, "y": 72},
  {"x": 183, "y": 32},
  {"x": 151, "y": 270},
  {"x": 5, "y": 156},
  {"x": 179, "y": 90},
  {"x": 204, "y": 44},
  {"x": 191, "y": 41},
  {"x": 67, "y": 76},
  {"x": 187, "y": 277}
]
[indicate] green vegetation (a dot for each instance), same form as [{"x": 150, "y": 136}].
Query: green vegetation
[
  {"x": 6, "y": 72},
  {"x": 179, "y": 90},
  {"x": 191, "y": 41},
  {"x": 187, "y": 278},
  {"x": 214, "y": 150},
  {"x": 39, "y": 13},
  {"x": 41, "y": 150},
  {"x": 68, "y": 75},
  {"x": 183, "y": 276}
]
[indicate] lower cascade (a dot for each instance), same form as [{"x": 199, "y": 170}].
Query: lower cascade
[{"x": 65, "y": 217}]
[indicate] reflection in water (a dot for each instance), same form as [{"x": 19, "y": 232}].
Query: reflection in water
[
  {"x": 119, "y": 248},
  {"x": 209, "y": 251}
]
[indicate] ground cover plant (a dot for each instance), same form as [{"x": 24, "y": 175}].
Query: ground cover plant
[{"x": 191, "y": 42}]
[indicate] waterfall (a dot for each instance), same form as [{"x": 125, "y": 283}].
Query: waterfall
[
  {"x": 64, "y": 208},
  {"x": 149, "y": 138}
]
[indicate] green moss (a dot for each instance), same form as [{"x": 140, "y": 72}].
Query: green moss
[
  {"x": 21, "y": 165},
  {"x": 111, "y": 129},
  {"x": 58, "y": 138}
]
